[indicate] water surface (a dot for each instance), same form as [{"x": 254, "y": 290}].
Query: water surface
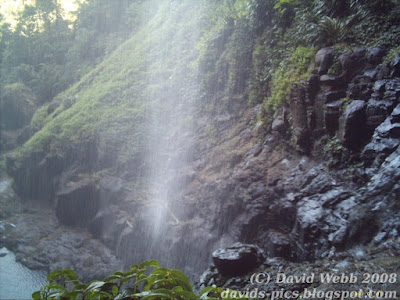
[{"x": 16, "y": 280}]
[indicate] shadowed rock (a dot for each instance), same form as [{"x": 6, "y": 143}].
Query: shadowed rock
[
  {"x": 237, "y": 259},
  {"x": 352, "y": 125}
]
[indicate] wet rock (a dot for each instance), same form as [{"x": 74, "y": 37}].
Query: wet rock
[
  {"x": 382, "y": 71},
  {"x": 298, "y": 112},
  {"x": 332, "y": 114},
  {"x": 396, "y": 66},
  {"x": 395, "y": 116},
  {"x": 379, "y": 86},
  {"x": 377, "y": 112},
  {"x": 388, "y": 130},
  {"x": 324, "y": 59},
  {"x": 361, "y": 91},
  {"x": 369, "y": 76},
  {"x": 312, "y": 87},
  {"x": 331, "y": 96},
  {"x": 237, "y": 259},
  {"x": 352, "y": 125},
  {"x": 353, "y": 63},
  {"x": 375, "y": 55},
  {"x": 332, "y": 81},
  {"x": 77, "y": 203},
  {"x": 279, "y": 245},
  {"x": 279, "y": 125}
]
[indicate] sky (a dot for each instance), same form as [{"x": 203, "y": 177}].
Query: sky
[{"x": 8, "y": 7}]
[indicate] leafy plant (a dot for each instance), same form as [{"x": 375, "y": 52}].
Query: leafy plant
[
  {"x": 331, "y": 30},
  {"x": 145, "y": 281},
  {"x": 333, "y": 146}
]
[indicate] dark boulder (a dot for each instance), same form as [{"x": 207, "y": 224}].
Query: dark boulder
[
  {"x": 77, "y": 203},
  {"x": 375, "y": 55},
  {"x": 279, "y": 125},
  {"x": 237, "y": 259},
  {"x": 352, "y": 131},
  {"x": 324, "y": 59},
  {"x": 352, "y": 63}
]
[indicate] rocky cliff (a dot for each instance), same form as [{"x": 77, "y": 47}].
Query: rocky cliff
[{"x": 320, "y": 177}]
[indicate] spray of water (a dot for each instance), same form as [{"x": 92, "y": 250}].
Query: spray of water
[{"x": 171, "y": 95}]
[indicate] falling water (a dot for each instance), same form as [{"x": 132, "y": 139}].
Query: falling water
[{"x": 171, "y": 94}]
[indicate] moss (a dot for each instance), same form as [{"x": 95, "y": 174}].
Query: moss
[
  {"x": 296, "y": 67},
  {"x": 39, "y": 119},
  {"x": 112, "y": 102}
]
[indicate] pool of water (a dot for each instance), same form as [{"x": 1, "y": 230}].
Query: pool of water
[{"x": 16, "y": 280}]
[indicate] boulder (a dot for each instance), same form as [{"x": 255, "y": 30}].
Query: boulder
[
  {"x": 324, "y": 59},
  {"x": 279, "y": 125},
  {"x": 77, "y": 203},
  {"x": 352, "y": 129},
  {"x": 237, "y": 259},
  {"x": 375, "y": 55},
  {"x": 352, "y": 63}
]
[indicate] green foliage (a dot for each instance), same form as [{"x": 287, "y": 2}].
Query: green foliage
[
  {"x": 144, "y": 281},
  {"x": 333, "y": 146},
  {"x": 297, "y": 67},
  {"x": 331, "y": 30}
]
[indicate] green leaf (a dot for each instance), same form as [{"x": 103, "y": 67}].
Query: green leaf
[
  {"x": 94, "y": 286},
  {"x": 150, "y": 263},
  {"x": 36, "y": 295}
]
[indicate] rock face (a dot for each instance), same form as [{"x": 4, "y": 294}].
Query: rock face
[
  {"x": 277, "y": 190},
  {"x": 352, "y": 125},
  {"x": 324, "y": 60},
  {"x": 298, "y": 111},
  {"x": 237, "y": 259}
]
